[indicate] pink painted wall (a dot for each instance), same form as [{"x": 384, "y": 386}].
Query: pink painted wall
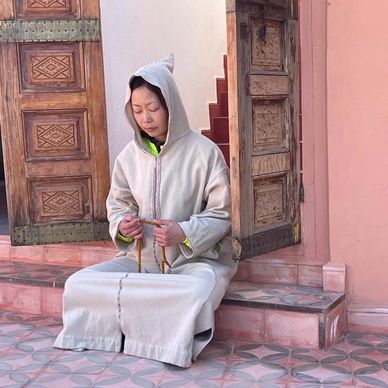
[{"x": 357, "y": 112}]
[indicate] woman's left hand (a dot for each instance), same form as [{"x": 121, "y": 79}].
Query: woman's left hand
[{"x": 169, "y": 233}]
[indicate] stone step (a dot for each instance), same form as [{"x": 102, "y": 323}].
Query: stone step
[{"x": 271, "y": 313}]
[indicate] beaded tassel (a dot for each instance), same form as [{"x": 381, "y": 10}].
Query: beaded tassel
[{"x": 139, "y": 247}]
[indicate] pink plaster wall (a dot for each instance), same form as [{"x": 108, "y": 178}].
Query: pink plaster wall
[{"x": 357, "y": 112}]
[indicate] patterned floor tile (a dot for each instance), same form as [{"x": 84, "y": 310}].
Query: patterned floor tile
[
  {"x": 217, "y": 350},
  {"x": 286, "y": 296},
  {"x": 24, "y": 362},
  {"x": 27, "y": 359},
  {"x": 201, "y": 373},
  {"x": 62, "y": 380},
  {"x": 257, "y": 371},
  {"x": 15, "y": 379},
  {"x": 80, "y": 363},
  {"x": 265, "y": 352},
  {"x": 325, "y": 374},
  {"x": 125, "y": 381},
  {"x": 176, "y": 382},
  {"x": 372, "y": 373},
  {"x": 331, "y": 356}
]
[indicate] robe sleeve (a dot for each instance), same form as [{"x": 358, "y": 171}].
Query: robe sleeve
[
  {"x": 206, "y": 229},
  {"x": 120, "y": 203}
]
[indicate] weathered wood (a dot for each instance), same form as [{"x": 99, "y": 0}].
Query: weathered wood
[
  {"x": 269, "y": 85},
  {"x": 264, "y": 128},
  {"x": 238, "y": 118},
  {"x": 270, "y": 164},
  {"x": 54, "y": 130}
]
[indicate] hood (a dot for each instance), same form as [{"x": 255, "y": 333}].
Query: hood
[{"x": 159, "y": 73}]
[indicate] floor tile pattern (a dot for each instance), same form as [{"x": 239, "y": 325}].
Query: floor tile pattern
[
  {"x": 44, "y": 275},
  {"x": 283, "y": 297},
  {"x": 27, "y": 359}
]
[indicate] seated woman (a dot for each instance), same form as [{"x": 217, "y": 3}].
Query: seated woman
[{"x": 169, "y": 214}]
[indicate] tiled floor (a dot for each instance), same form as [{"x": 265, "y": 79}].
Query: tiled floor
[{"x": 27, "y": 359}]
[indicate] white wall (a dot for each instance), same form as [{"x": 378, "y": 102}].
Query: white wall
[{"x": 134, "y": 32}]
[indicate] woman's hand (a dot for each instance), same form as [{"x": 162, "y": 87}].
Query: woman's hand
[
  {"x": 131, "y": 227},
  {"x": 169, "y": 233}
]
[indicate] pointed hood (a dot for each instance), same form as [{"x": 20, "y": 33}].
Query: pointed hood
[{"x": 159, "y": 73}]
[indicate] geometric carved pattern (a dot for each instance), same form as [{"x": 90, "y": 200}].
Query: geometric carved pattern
[
  {"x": 267, "y": 45},
  {"x": 269, "y": 126},
  {"x": 52, "y": 67},
  {"x": 56, "y": 135},
  {"x": 269, "y": 201},
  {"x": 60, "y": 202},
  {"x": 47, "y": 9},
  {"x": 46, "y": 3},
  {"x": 60, "y": 199}
]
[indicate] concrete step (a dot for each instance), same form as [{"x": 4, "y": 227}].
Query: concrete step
[{"x": 270, "y": 313}]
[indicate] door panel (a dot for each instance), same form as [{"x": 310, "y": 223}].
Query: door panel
[
  {"x": 53, "y": 121},
  {"x": 263, "y": 74}
]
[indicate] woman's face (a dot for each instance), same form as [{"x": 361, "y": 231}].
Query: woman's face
[{"x": 149, "y": 113}]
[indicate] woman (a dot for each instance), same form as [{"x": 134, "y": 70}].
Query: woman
[{"x": 169, "y": 191}]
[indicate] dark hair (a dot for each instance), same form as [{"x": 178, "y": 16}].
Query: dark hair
[{"x": 139, "y": 81}]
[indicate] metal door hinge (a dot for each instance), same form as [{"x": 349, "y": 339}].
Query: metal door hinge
[{"x": 19, "y": 31}]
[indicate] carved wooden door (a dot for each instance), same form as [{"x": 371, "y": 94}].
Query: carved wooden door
[
  {"x": 53, "y": 121},
  {"x": 263, "y": 76}
]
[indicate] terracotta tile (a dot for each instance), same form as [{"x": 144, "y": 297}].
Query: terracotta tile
[
  {"x": 91, "y": 256},
  {"x": 21, "y": 298},
  {"x": 275, "y": 273},
  {"x": 65, "y": 255},
  {"x": 310, "y": 275},
  {"x": 368, "y": 322},
  {"x": 334, "y": 277},
  {"x": 52, "y": 301},
  {"x": 5, "y": 251},
  {"x": 234, "y": 322},
  {"x": 291, "y": 328},
  {"x": 30, "y": 254},
  {"x": 335, "y": 325}
]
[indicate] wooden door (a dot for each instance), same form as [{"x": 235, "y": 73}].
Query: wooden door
[
  {"x": 263, "y": 76},
  {"x": 53, "y": 121}
]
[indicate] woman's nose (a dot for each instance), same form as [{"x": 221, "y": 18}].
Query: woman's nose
[{"x": 146, "y": 117}]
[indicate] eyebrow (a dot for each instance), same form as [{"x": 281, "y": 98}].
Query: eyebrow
[{"x": 152, "y": 102}]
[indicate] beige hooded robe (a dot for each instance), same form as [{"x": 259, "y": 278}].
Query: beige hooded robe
[{"x": 160, "y": 315}]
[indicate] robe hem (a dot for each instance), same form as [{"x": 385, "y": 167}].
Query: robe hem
[
  {"x": 170, "y": 355},
  {"x": 109, "y": 344}
]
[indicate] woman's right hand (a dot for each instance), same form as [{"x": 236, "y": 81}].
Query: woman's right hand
[{"x": 131, "y": 227}]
